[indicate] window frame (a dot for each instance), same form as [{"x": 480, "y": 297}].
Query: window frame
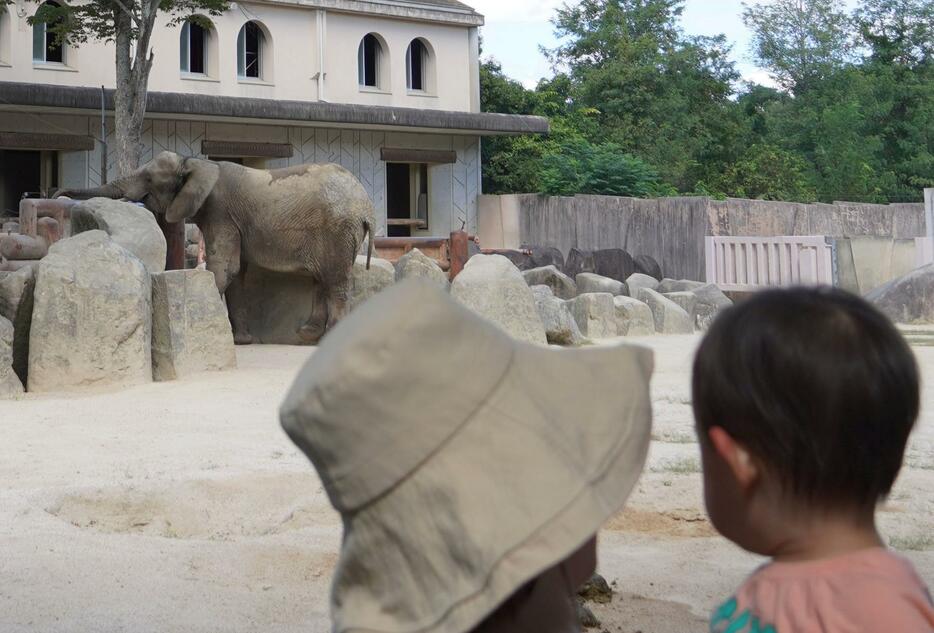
[
  {"x": 45, "y": 45},
  {"x": 185, "y": 49},
  {"x": 422, "y": 74},
  {"x": 375, "y": 63},
  {"x": 243, "y": 66}
]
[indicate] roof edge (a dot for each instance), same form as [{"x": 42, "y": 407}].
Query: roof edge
[{"x": 272, "y": 111}]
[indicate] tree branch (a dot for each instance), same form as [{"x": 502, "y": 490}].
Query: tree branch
[{"x": 128, "y": 12}]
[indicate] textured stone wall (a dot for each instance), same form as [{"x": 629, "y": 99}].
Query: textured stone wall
[{"x": 672, "y": 230}]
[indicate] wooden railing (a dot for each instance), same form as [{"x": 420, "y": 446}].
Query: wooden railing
[{"x": 752, "y": 263}]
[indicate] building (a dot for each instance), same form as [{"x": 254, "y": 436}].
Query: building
[{"x": 390, "y": 90}]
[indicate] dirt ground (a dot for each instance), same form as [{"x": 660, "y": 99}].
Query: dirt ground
[{"x": 182, "y": 507}]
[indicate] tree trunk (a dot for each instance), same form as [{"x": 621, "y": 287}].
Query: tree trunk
[{"x": 133, "y": 68}]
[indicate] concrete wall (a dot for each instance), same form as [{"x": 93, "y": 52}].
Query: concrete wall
[
  {"x": 453, "y": 188},
  {"x": 865, "y": 263},
  {"x": 672, "y": 230},
  {"x": 293, "y": 58}
]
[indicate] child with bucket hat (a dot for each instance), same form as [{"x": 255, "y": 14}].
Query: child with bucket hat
[{"x": 472, "y": 471}]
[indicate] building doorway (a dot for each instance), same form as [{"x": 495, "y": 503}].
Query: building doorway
[
  {"x": 406, "y": 198},
  {"x": 25, "y": 172}
]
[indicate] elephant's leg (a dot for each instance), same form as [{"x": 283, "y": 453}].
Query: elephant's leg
[
  {"x": 338, "y": 297},
  {"x": 314, "y": 328},
  {"x": 238, "y": 308}
]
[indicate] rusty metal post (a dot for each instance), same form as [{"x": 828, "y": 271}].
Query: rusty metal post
[
  {"x": 175, "y": 243},
  {"x": 460, "y": 252}
]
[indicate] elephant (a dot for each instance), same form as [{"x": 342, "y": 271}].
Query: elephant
[{"x": 309, "y": 220}]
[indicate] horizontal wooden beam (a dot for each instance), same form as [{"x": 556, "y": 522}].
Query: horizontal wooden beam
[
  {"x": 399, "y": 155},
  {"x": 238, "y": 149},
  {"x": 59, "y": 142}
]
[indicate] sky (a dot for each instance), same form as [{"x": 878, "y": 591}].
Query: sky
[{"x": 515, "y": 29}]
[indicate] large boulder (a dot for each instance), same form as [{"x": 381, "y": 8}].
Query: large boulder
[
  {"x": 614, "y": 263},
  {"x": 667, "y": 286},
  {"x": 908, "y": 299},
  {"x": 367, "y": 283},
  {"x": 16, "y": 302},
  {"x": 595, "y": 314},
  {"x": 92, "y": 318},
  {"x": 131, "y": 226},
  {"x": 710, "y": 302},
  {"x": 592, "y": 282},
  {"x": 647, "y": 265},
  {"x": 532, "y": 257},
  {"x": 669, "y": 317},
  {"x": 560, "y": 326},
  {"x": 10, "y": 385},
  {"x": 561, "y": 285},
  {"x": 637, "y": 281},
  {"x": 687, "y": 300},
  {"x": 415, "y": 264},
  {"x": 190, "y": 329},
  {"x": 633, "y": 318},
  {"x": 493, "y": 287},
  {"x": 579, "y": 261}
]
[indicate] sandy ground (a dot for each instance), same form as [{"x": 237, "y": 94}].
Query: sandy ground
[{"x": 183, "y": 507}]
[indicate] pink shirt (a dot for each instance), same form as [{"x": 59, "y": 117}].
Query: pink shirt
[{"x": 872, "y": 591}]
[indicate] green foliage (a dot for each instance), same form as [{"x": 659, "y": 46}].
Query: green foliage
[
  {"x": 766, "y": 172},
  {"x": 638, "y": 107}
]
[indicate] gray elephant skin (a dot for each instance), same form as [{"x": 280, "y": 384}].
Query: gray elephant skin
[{"x": 309, "y": 220}]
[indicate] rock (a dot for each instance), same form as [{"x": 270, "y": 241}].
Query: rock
[
  {"x": 595, "y": 314},
  {"x": 10, "y": 227},
  {"x": 560, "y": 326},
  {"x": 586, "y": 617},
  {"x": 533, "y": 257},
  {"x": 687, "y": 301},
  {"x": 92, "y": 318},
  {"x": 270, "y": 307},
  {"x": 579, "y": 262},
  {"x": 596, "y": 590},
  {"x": 192, "y": 234},
  {"x": 637, "y": 280},
  {"x": 561, "y": 285},
  {"x": 10, "y": 385},
  {"x": 647, "y": 265},
  {"x": 367, "y": 283},
  {"x": 592, "y": 282},
  {"x": 493, "y": 287},
  {"x": 671, "y": 285},
  {"x": 908, "y": 299},
  {"x": 710, "y": 302},
  {"x": 16, "y": 304},
  {"x": 416, "y": 264},
  {"x": 614, "y": 263},
  {"x": 131, "y": 226},
  {"x": 190, "y": 329},
  {"x": 669, "y": 317},
  {"x": 633, "y": 317}
]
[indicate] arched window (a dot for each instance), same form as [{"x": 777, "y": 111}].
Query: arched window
[
  {"x": 44, "y": 47},
  {"x": 369, "y": 60},
  {"x": 5, "y": 36},
  {"x": 193, "y": 49},
  {"x": 251, "y": 53},
  {"x": 416, "y": 66}
]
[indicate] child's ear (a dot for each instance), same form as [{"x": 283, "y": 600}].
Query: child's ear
[{"x": 736, "y": 456}]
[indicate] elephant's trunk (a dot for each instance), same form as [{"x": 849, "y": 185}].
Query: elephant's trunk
[{"x": 111, "y": 190}]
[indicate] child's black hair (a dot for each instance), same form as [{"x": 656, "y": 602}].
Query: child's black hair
[{"x": 818, "y": 385}]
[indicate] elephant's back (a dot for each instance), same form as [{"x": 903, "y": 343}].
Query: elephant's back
[{"x": 324, "y": 185}]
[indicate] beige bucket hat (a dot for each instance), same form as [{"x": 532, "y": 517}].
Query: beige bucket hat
[{"x": 463, "y": 463}]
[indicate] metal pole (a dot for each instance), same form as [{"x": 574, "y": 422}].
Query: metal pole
[{"x": 103, "y": 141}]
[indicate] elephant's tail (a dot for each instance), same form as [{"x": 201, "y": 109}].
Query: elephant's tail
[{"x": 368, "y": 231}]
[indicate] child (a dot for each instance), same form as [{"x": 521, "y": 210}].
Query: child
[{"x": 804, "y": 400}]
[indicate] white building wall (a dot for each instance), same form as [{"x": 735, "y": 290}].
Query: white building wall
[{"x": 293, "y": 54}]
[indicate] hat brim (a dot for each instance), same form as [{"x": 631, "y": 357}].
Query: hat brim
[{"x": 552, "y": 454}]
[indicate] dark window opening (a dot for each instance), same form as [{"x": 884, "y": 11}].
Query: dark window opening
[
  {"x": 406, "y": 198},
  {"x": 368, "y": 61},
  {"x": 415, "y": 65},
  {"x": 249, "y": 51},
  {"x": 21, "y": 174},
  {"x": 193, "y": 48},
  {"x": 44, "y": 46}
]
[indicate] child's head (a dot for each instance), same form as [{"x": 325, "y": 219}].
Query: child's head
[{"x": 804, "y": 399}]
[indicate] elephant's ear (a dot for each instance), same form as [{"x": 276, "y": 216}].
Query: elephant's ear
[{"x": 198, "y": 180}]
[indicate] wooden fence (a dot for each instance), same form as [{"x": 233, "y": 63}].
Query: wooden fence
[{"x": 751, "y": 263}]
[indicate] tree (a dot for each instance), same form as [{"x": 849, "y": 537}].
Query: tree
[
  {"x": 799, "y": 42},
  {"x": 581, "y": 167},
  {"x": 129, "y": 24},
  {"x": 659, "y": 95},
  {"x": 767, "y": 172},
  {"x": 898, "y": 31}
]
